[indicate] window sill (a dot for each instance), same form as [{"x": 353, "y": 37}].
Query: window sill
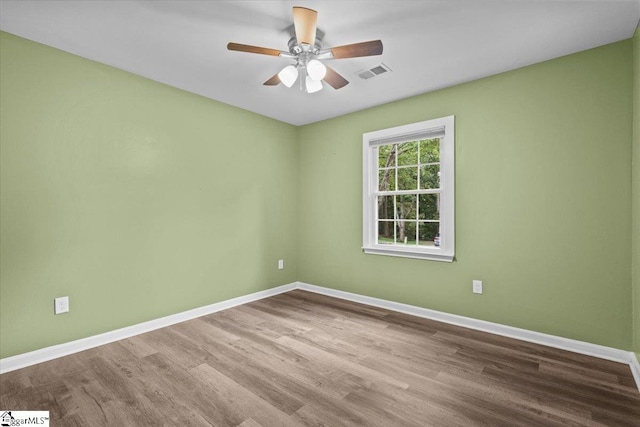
[{"x": 408, "y": 253}]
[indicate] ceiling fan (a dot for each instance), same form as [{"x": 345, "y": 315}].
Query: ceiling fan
[{"x": 305, "y": 47}]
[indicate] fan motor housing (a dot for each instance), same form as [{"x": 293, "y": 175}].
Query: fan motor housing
[{"x": 297, "y": 48}]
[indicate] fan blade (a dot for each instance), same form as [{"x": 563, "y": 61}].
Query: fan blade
[
  {"x": 253, "y": 49},
  {"x": 334, "y": 79},
  {"x": 370, "y": 48},
  {"x": 305, "y": 21},
  {"x": 273, "y": 81}
]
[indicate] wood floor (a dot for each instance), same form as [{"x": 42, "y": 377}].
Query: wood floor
[{"x": 301, "y": 359}]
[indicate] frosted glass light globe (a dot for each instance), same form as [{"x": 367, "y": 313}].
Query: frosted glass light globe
[
  {"x": 288, "y": 75},
  {"x": 313, "y": 85},
  {"x": 316, "y": 70}
]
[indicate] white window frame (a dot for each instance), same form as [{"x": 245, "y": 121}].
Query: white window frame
[{"x": 412, "y": 132}]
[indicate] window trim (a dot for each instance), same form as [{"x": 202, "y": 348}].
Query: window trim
[{"x": 405, "y": 133}]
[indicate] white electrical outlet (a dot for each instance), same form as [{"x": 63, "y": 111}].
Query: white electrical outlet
[
  {"x": 477, "y": 286},
  {"x": 280, "y": 264},
  {"x": 61, "y": 305}
]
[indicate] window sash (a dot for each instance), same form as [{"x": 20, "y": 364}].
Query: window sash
[{"x": 407, "y": 192}]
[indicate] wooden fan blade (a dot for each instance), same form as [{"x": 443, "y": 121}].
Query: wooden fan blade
[
  {"x": 355, "y": 50},
  {"x": 253, "y": 49},
  {"x": 273, "y": 81},
  {"x": 305, "y": 21},
  {"x": 334, "y": 79}
]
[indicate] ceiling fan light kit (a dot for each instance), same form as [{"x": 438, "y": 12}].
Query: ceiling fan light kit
[{"x": 306, "y": 49}]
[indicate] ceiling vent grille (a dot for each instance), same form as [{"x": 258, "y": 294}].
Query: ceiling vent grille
[{"x": 372, "y": 72}]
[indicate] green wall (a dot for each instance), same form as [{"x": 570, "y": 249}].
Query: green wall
[
  {"x": 543, "y": 200},
  {"x": 636, "y": 193},
  {"x": 135, "y": 199}
]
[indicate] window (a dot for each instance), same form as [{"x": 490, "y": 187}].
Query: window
[{"x": 408, "y": 190}]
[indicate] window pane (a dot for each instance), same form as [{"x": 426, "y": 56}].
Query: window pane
[
  {"x": 405, "y": 233},
  {"x": 408, "y": 153},
  {"x": 429, "y": 177},
  {"x": 408, "y": 178},
  {"x": 429, "y": 233},
  {"x": 406, "y": 206},
  {"x": 430, "y": 150},
  {"x": 387, "y": 156},
  {"x": 429, "y": 206},
  {"x": 385, "y": 207},
  {"x": 387, "y": 179},
  {"x": 385, "y": 232}
]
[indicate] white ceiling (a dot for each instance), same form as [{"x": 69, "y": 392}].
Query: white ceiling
[{"x": 428, "y": 44}]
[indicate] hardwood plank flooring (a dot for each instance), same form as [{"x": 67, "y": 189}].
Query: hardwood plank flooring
[{"x": 302, "y": 359}]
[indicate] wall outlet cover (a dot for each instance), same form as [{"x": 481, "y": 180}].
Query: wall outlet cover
[
  {"x": 61, "y": 305},
  {"x": 477, "y": 286}
]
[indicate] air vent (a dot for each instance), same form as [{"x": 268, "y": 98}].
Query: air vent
[
  {"x": 375, "y": 71},
  {"x": 366, "y": 74}
]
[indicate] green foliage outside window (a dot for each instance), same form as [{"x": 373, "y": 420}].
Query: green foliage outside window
[{"x": 409, "y": 166}]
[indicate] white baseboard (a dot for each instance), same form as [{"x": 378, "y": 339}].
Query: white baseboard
[
  {"x": 38, "y": 356},
  {"x": 635, "y": 369},
  {"x": 575, "y": 346}
]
